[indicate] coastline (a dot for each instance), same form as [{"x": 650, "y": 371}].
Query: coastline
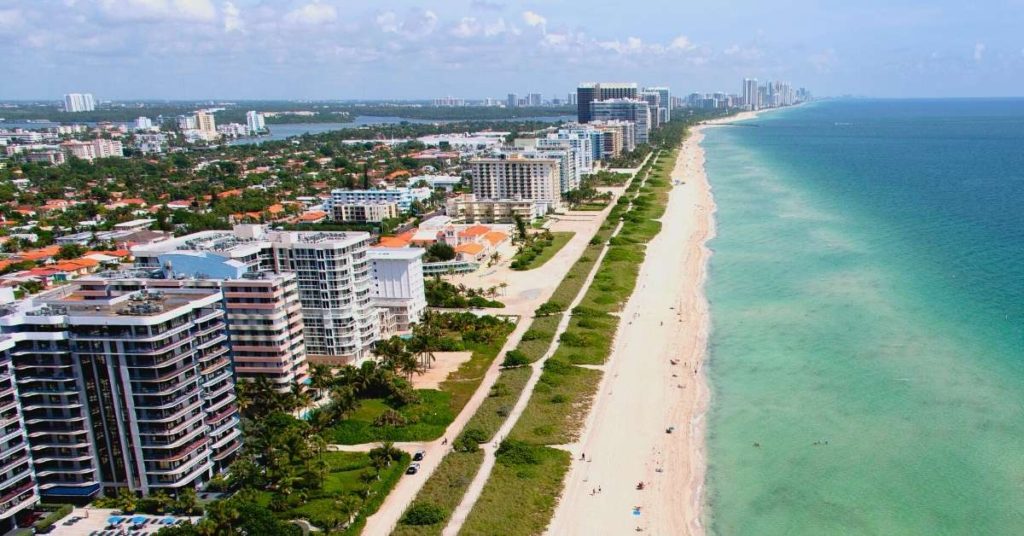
[{"x": 642, "y": 393}]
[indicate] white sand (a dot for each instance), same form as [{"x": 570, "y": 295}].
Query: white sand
[{"x": 642, "y": 393}]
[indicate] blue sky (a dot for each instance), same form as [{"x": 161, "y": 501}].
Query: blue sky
[{"x": 341, "y": 49}]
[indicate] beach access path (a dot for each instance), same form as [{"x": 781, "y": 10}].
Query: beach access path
[{"x": 525, "y": 291}]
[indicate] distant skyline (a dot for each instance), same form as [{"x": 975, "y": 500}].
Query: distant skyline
[{"x": 403, "y": 49}]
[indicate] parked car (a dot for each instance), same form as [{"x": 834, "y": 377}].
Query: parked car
[
  {"x": 413, "y": 469},
  {"x": 418, "y": 456}
]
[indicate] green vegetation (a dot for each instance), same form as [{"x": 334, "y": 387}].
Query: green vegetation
[
  {"x": 559, "y": 405},
  {"x": 609, "y": 178},
  {"x": 499, "y": 402},
  {"x": 529, "y": 474},
  {"x": 523, "y": 486},
  {"x": 445, "y": 295},
  {"x": 537, "y": 339},
  {"x": 539, "y": 249},
  {"x": 442, "y": 491},
  {"x": 376, "y": 402},
  {"x": 50, "y": 519}
]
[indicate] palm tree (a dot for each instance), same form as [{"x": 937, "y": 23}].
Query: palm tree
[
  {"x": 300, "y": 397},
  {"x": 385, "y": 454},
  {"x": 320, "y": 378},
  {"x": 185, "y": 502},
  {"x": 220, "y": 518},
  {"x": 503, "y": 286}
]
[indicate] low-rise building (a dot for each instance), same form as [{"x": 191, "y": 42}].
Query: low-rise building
[
  {"x": 468, "y": 208},
  {"x": 364, "y": 212}
]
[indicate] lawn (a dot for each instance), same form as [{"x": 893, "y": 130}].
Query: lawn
[
  {"x": 520, "y": 496},
  {"x": 541, "y": 252},
  {"x": 345, "y": 478},
  {"x": 425, "y": 420}
]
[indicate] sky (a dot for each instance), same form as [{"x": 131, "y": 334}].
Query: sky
[{"x": 402, "y": 49}]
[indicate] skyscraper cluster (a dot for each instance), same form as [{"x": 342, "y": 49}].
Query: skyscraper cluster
[{"x": 605, "y": 102}]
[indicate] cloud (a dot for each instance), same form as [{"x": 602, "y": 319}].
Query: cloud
[
  {"x": 682, "y": 43},
  {"x": 979, "y": 51},
  {"x": 744, "y": 52},
  {"x": 466, "y": 27},
  {"x": 232, "y": 18},
  {"x": 418, "y": 23},
  {"x": 10, "y": 19},
  {"x": 159, "y": 10},
  {"x": 312, "y": 14},
  {"x": 487, "y": 4},
  {"x": 534, "y": 20}
]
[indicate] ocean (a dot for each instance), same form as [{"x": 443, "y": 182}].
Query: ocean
[{"x": 867, "y": 301}]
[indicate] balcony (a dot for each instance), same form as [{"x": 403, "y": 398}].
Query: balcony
[
  {"x": 182, "y": 454},
  {"x": 20, "y": 496}
]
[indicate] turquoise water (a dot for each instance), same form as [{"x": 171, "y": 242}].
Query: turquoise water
[{"x": 867, "y": 300}]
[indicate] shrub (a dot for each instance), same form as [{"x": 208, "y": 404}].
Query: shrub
[
  {"x": 549, "y": 308},
  {"x": 470, "y": 440},
  {"x": 515, "y": 358},
  {"x": 512, "y": 452},
  {"x": 52, "y": 518},
  {"x": 423, "y": 513},
  {"x": 559, "y": 399},
  {"x": 390, "y": 417}
]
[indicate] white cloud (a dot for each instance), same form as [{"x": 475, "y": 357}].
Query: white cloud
[
  {"x": 159, "y": 10},
  {"x": 500, "y": 27},
  {"x": 682, "y": 43},
  {"x": 233, "y": 18},
  {"x": 744, "y": 53},
  {"x": 10, "y": 19},
  {"x": 312, "y": 14},
  {"x": 979, "y": 51},
  {"x": 467, "y": 27},
  {"x": 418, "y": 24},
  {"x": 534, "y": 20},
  {"x": 388, "y": 22}
]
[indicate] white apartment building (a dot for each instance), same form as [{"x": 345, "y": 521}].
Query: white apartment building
[
  {"x": 79, "y": 102},
  {"x": 332, "y": 271},
  {"x": 398, "y": 287},
  {"x": 143, "y": 123},
  {"x": 403, "y": 197},
  {"x": 514, "y": 177},
  {"x": 469, "y": 209},
  {"x": 254, "y": 122}
]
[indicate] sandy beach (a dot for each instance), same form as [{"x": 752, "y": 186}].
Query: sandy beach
[{"x": 653, "y": 381}]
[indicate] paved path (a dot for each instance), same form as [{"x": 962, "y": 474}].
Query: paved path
[
  {"x": 476, "y": 487},
  {"x": 527, "y": 292}
]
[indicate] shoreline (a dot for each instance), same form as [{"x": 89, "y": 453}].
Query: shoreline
[{"x": 626, "y": 437}]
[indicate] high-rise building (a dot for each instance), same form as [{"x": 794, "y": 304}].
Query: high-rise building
[
  {"x": 398, "y": 288},
  {"x": 512, "y": 176},
  {"x": 535, "y": 99},
  {"x": 665, "y": 103},
  {"x": 512, "y": 101},
  {"x": 17, "y": 482},
  {"x": 79, "y": 102},
  {"x": 131, "y": 390},
  {"x": 634, "y": 110},
  {"x": 262, "y": 312},
  {"x": 143, "y": 123},
  {"x": 254, "y": 122},
  {"x": 588, "y": 92},
  {"x": 340, "y": 320},
  {"x": 206, "y": 124},
  {"x": 750, "y": 94}
]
